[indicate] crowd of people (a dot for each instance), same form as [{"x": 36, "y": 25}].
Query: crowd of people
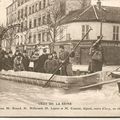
[
  {"x": 49, "y": 63},
  {"x": 45, "y": 63}
]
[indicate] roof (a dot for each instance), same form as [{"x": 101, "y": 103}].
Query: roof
[{"x": 93, "y": 13}]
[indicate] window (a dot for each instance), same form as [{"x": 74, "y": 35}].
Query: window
[
  {"x": 43, "y": 37},
  {"x": 30, "y": 38},
  {"x": 30, "y": 12},
  {"x": 34, "y": 38},
  {"x": 35, "y": 23},
  {"x": 48, "y": 36},
  {"x": 18, "y": 15},
  {"x": 68, "y": 37},
  {"x": 39, "y": 37},
  {"x": 39, "y": 21},
  {"x": 44, "y": 3},
  {"x": 26, "y": 11},
  {"x": 25, "y": 24},
  {"x": 21, "y": 13},
  {"x": 85, "y": 29},
  {"x": 30, "y": 24},
  {"x": 22, "y": 26},
  {"x": 33, "y": 9},
  {"x": 40, "y": 5},
  {"x": 43, "y": 20},
  {"x": 115, "y": 32},
  {"x": 36, "y": 8}
]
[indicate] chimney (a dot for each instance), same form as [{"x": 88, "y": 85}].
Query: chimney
[{"x": 99, "y": 4}]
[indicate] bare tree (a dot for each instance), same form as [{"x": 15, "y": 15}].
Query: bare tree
[
  {"x": 9, "y": 34},
  {"x": 54, "y": 15},
  {"x": 56, "y": 12}
]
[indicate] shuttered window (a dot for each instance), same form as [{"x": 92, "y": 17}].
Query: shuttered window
[
  {"x": 85, "y": 29},
  {"x": 116, "y": 33}
]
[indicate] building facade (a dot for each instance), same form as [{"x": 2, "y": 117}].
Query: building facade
[
  {"x": 33, "y": 17},
  {"x": 104, "y": 21}
]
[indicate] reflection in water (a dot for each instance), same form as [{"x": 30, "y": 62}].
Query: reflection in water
[{"x": 12, "y": 93}]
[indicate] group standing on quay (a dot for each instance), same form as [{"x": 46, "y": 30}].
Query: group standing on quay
[{"x": 48, "y": 63}]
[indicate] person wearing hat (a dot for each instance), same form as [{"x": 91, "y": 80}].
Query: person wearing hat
[
  {"x": 50, "y": 64},
  {"x": 35, "y": 59},
  {"x": 11, "y": 59},
  {"x": 6, "y": 62},
  {"x": 66, "y": 68},
  {"x": 25, "y": 60},
  {"x": 18, "y": 64},
  {"x": 55, "y": 57},
  {"x": 96, "y": 57},
  {"x": 42, "y": 60}
]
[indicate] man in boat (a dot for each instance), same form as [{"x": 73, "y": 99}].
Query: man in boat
[
  {"x": 8, "y": 61},
  {"x": 10, "y": 57},
  {"x": 50, "y": 64},
  {"x": 18, "y": 64},
  {"x": 25, "y": 60},
  {"x": 97, "y": 58},
  {"x": 66, "y": 68},
  {"x": 55, "y": 57},
  {"x": 42, "y": 60},
  {"x": 35, "y": 59}
]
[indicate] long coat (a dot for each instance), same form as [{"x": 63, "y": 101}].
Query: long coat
[
  {"x": 50, "y": 65},
  {"x": 41, "y": 62},
  {"x": 26, "y": 61},
  {"x": 7, "y": 63},
  {"x": 18, "y": 65},
  {"x": 96, "y": 61},
  {"x": 35, "y": 59},
  {"x": 66, "y": 69}
]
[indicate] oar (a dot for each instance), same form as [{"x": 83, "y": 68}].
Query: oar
[
  {"x": 101, "y": 83},
  {"x": 113, "y": 71},
  {"x": 46, "y": 84}
]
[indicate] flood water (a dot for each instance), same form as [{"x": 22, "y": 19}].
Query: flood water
[{"x": 13, "y": 93}]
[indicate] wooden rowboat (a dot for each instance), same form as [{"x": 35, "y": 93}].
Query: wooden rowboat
[{"x": 65, "y": 82}]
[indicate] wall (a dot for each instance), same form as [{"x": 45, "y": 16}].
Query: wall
[{"x": 75, "y": 30}]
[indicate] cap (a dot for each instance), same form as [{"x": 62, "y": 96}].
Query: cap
[{"x": 61, "y": 46}]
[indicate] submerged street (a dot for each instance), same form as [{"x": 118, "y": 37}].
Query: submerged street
[
  {"x": 12, "y": 93},
  {"x": 18, "y": 99}
]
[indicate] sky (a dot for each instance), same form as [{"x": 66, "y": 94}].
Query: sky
[{"x": 5, "y": 3}]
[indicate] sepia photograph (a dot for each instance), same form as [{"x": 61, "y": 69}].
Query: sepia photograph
[{"x": 60, "y": 58}]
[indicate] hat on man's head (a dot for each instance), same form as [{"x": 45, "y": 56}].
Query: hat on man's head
[
  {"x": 44, "y": 50},
  {"x": 61, "y": 46}
]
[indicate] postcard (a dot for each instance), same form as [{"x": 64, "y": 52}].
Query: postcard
[{"x": 59, "y": 58}]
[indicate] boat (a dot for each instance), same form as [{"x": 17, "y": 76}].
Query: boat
[{"x": 64, "y": 82}]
